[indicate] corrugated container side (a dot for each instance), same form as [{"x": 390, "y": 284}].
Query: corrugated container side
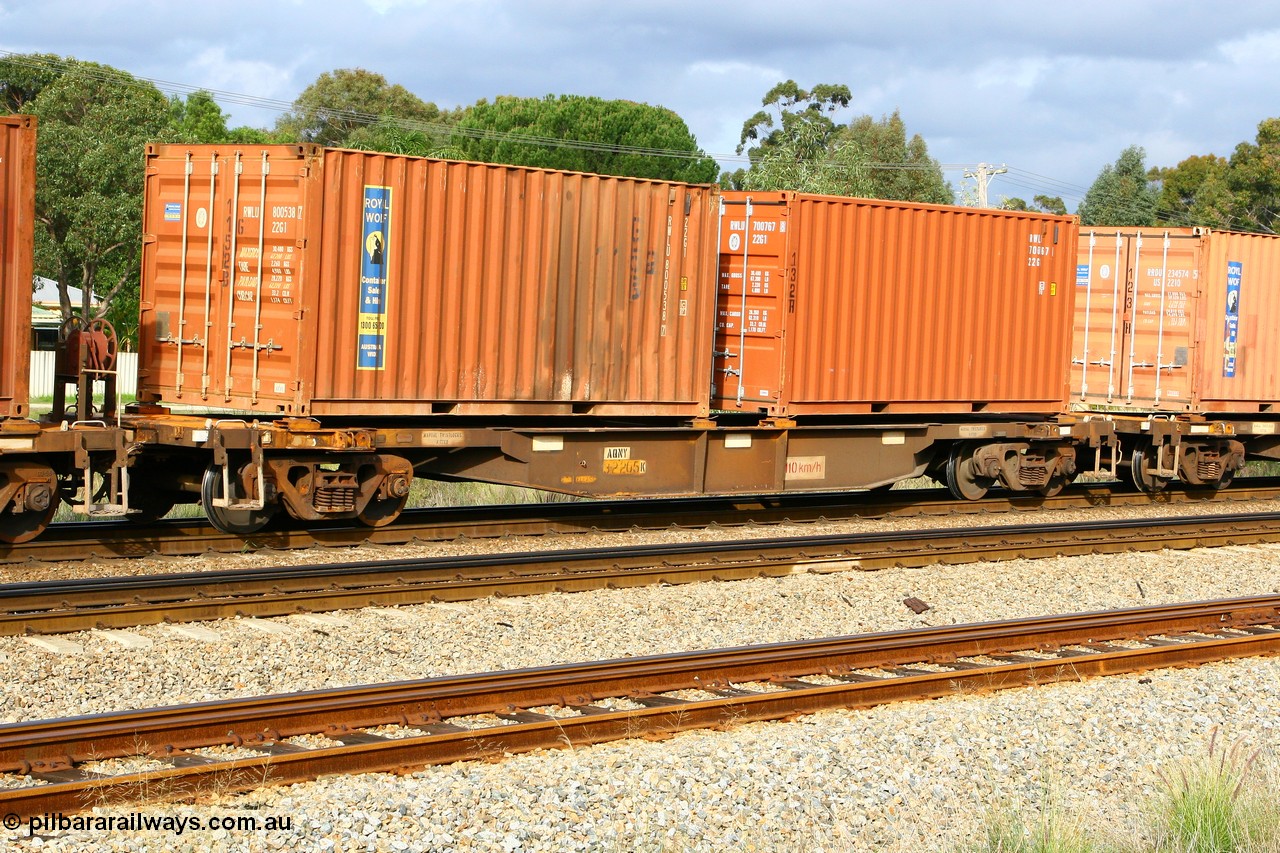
[
  {"x": 1177, "y": 320},
  {"x": 1241, "y": 338},
  {"x": 520, "y": 286},
  {"x": 17, "y": 224},
  {"x": 897, "y": 307},
  {"x": 406, "y": 285}
]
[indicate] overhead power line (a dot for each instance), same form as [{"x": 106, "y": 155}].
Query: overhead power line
[{"x": 425, "y": 127}]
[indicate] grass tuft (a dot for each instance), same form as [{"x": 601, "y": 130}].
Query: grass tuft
[
  {"x": 1051, "y": 831},
  {"x": 1223, "y": 803},
  {"x": 1218, "y": 805}
]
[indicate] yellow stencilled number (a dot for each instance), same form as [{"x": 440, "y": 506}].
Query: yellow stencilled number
[{"x": 632, "y": 467}]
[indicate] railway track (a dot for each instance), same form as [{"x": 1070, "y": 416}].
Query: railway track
[
  {"x": 113, "y": 539},
  {"x": 49, "y": 607},
  {"x": 241, "y": 744}
]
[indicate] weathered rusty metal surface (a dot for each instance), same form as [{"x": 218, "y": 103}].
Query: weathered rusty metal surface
[
  {"x": 1177, "y": 320},
  {"x": 1052, "y": 649},
  {"x": 843, "y": 305},
  {"x": 310, "y": 281},
  {"x": 17, "y": 224}
]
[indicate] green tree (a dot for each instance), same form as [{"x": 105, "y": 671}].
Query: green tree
[
  {"x": 799, "y": 136},
  {"x": 1253, "y": 178},
  {"x": 393, "y": 136},
  {"x": 1193, "y": 191},
  {"x": 868, "y": 158},
  {"x": 198, "y": 118},
  {"x": 1121, "y": 194},
  {"x": 895, "y": 167},
  {"x": 803, "y": 116},
  {"x": 94, "y": 123},
  {"x": 604, "y": 137},
  {"x": 24, "y": 76},
  {"x": 1040, "y": 204},
  {"x": 340, "y": 103}
]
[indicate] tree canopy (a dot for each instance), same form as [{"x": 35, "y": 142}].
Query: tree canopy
[
  {"x": 1241, "y": 193},
  {"x": 1039, "y": 204},
  {"x": 1253, "y": 179},
  {"x": 24, "y": 76},
  {"x": 1122, "y": 194},
  {"x": 807, "y": 150},
  {"x": 607, "y": 137},
  {"x": 94, "y": 124},
  {"x": 342, "y": 108},
  {"x": 198, "y": 118}
]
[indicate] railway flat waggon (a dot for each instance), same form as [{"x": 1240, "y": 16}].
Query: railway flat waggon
[{"x": 321, "y": 326}]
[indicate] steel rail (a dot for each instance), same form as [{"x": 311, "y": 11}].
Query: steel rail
[
  {"x": 742, "y": 684},
  {"x": 122, "y": 539},
  {"x": 62, "y": 606},
  {"x": 74, "y": 605}
]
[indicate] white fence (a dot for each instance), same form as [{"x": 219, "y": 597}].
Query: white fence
[{"x": 42, "y": 374}]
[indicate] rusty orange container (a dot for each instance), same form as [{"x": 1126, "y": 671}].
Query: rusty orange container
[
  {"x": 1177, "y": 320},
  {"x": 307, "y": 281},
  {"x": 17, "y": 224},
  {"x": 831, "y": 305}
]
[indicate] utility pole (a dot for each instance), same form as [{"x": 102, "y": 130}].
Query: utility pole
[{"x": 984, "y": 173}]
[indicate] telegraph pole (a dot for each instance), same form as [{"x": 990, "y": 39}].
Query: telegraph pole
[{"x": 984, "y": 173}]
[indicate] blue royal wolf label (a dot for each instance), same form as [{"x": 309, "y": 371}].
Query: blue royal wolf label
[
  {"x": 1235, "y": 272},
  {"x": 372, "y": 335}
]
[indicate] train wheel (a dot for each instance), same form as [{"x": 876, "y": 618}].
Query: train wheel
[
  {"x": 961, "y": 478},
  {"x": 16, "y": 528},
  {"x": 38, "y": 497},
  {"x": 1055, "y": 485},
  {"x": 1142, "y": 469},
  {"x": 237, "y": 522},
  {"x": 385, "y": 507},
  {"x": 380, "y": 512}
]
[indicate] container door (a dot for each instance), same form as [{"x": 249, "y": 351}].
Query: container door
[
  {"x": 749, "y": 308},
  {"x": 182, "y": 270},
  {"x": 260, "y": 357},
  {"x": 1164, "y": 272},
  {"x": 1134, "y": 322},
  {"x": 1102, "y": 283},
  {"x": 221, "y": 271}
]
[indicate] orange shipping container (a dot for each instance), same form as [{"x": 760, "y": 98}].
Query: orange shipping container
[
  {"x": 844, "y": 305},
  {"x": 17, "y": 222},
  {"x": 1177, "y": 320},
  {"x": 309, "y": 281}
]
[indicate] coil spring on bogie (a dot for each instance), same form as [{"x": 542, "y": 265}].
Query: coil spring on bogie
[
  {"x": 1034, "y": 475},
  {"x": 1209, "y": 470},
  {"x": 334, "y": 499}
]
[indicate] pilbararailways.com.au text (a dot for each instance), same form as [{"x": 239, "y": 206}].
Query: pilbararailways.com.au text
[{"x": 137, "y": 822}]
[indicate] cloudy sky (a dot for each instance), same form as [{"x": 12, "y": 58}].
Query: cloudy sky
[{"x": 1053, "y": 91}]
